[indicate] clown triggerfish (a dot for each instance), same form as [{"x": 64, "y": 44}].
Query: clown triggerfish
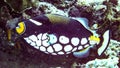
[{"x": 59, "y": 35}]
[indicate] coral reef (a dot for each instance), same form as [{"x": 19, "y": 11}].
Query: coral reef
[
  {"x": 112, "y": 61},
  {"x": 103, "y": 63},
  {"x": 50, "y": 9},
  {"x": 102, "y": 15},
  {"x": 113, "y": 49}
]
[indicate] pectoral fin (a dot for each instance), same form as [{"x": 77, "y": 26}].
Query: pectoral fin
[{"x": 82, "y": 53}]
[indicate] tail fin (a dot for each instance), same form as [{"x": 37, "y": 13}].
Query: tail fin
[{"x": 104, "y": 43}]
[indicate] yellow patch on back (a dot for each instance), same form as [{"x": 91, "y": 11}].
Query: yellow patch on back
[
  {"x": 21, "y": 28},
  {"x": 57, "y": 19}
]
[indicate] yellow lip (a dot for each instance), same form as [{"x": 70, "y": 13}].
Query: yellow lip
[{"x": 94, "y": 38}]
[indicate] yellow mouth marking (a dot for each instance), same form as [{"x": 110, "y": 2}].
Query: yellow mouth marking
[
  {"x": 94, "y": 38},
  {"x": 21, "y": 28}
]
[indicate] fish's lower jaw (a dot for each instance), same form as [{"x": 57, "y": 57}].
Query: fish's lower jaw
[{"x": 104, "y": 45}]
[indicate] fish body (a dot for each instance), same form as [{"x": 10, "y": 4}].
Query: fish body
[{"x": 59, "y": 35}]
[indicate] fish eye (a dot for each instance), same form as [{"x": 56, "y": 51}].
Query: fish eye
[{"x": 21, "y": 28}]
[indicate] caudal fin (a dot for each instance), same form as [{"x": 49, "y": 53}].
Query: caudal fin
[{"x": 105, "y": 42}]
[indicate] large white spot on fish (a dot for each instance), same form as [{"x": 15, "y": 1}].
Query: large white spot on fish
[
  {"x": 80, "y": 47},
  {"x": 86, "y": 45},
  {"x": 57, "y": 47},
  {"x": 53, "y": 53},
  {"x": 60, "y": 53},
  {"x": 42, "y": 48},
  {"x": 64, "y": 40},
  {"x": 33, "y": 38},
  {"x": 28, "y": 40},
  {"x": 74, "y": 49},
  {"x": 46, "y": 52},
  {"x": 37, "y": 47},
  {"x": 38, "y": 43},
  {"x": 50, "y": 49},
  {"x": 33, "y": 44},
  {"x": 39, "y": 36},
  {"x": 45, "y": 43},
  {"x": 68, "y": 48},
  {"x": 45, "y": 36},
  {"x": 84, "y": 41},
  {"x": 68, "y": 52},
  {"x": 53, "y": 39},
  {"x": 75, "y": 41}
]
